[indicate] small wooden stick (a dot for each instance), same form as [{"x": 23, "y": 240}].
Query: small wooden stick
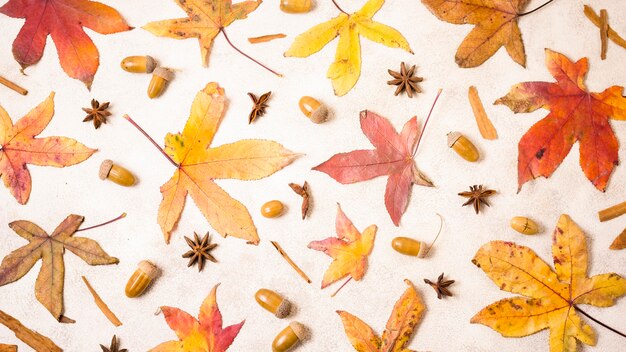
[
  {"x": 100, "y": 303},
  {"x": 612, "y": 212},
  {"x": 265, "y": 38},
  {"x": 32, "y": 338},
  {"x": 604, "y": 32},
  {"x": 293, "y": 265},
  {"x": 13, "y": 86},
  {"x": 482, "y": 120},
  {"x": 7, "y": 348},
  {"x": 595, "y": 19}
]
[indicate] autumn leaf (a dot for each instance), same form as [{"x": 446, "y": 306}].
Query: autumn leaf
[
  {"x": 204, "y": 21},
  {"x": 346, "y": 69},
  {"x": 349, "y": 250},
  {"x": 50, "y": 249},
  {"x": 393, "y": 157},
  {"x": 575, "y": 115},
  {"x": 197, "y": 165},
  {"x": 204, "y": 334},
  {"x": 63, "y": 20},
  {"x": 405, "y": 316},
  {"x": 551, "y": 298},
  {"x": 495, "y": 26},
  {"x": 19, "y": 147}
]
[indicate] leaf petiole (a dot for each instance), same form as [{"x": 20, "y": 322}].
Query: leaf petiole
[
  {"x": 339, "y": 8},
  {"x": 151, "y": 140},
  {"x": 340, "y": 287},
  {"x": 533, "y": 10},
  {"x": 246, "y": 55},
  {"x": 598, "y": 322},
  {"x": 419, "y": 139},
  {"x": 121, "y": 216}
]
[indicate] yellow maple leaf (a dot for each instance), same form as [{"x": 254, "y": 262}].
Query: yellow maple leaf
[
  {"x": 551, "y": 297},
  {"x": 346, "y": 69}
]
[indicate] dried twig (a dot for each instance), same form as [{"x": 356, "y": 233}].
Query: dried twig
[
  {"x": 595, "y": 19},
  {"x": 293, "y": 265},
  {"x": 482, "y": 120},
  {"x": 103, "y": 306},
  {"x": 612, "y": 212},
  {"x": 13, "y": 86},
  {"x": 32, "y": 338},
  {"x": 265, "y": 38},
  {"x": 604, "y": 32}
]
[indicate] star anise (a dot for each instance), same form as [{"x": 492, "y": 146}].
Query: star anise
[
  {"x": 260, "y": 104},
  {"x": 477, "y": 196},
  {"x": 441, "y": 286},
  {"x": 200, "y": 250},
  {"x": 114, "y": 347},
  {"x": 98, "y": 113},
  {"x": 405, "y": 80}
]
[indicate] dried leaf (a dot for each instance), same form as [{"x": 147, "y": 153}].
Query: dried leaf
[
  {"x": 303, "y": 191},
  {"x": 204, "y": 334},
  {"x": 620, "y": 241},
  {"x": 551, "y": 298},
  {"x": 392, "y": 157},
  {"x": 402, "y": 322},
  {"x": 50, "y": 249},
  {"x": 495, "y": 26},
  {"x": 346, "y": 69},
  {"x": 19, "y": 147},
  {"x": 482, "y": 120},
  {"x": 349, "y": 250},
  {"x": 32, "y": 338},
  {"x": 575, "y": 115},
  {"x": 63, "y": 20},
  {"x": 199, "y": 164}
]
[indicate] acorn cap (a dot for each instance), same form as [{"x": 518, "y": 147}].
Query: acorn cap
[
  {"x": 150, "y": 64},
  {"x": 149, "y": 268},
  {"x": 452, "y": 138},
  {"x": 283, "y": 309},
  {"x": 164, "y": 73},
  {"x": 320, "y": 114},
  {"x": 105, "y": 167},
  {"x": 300, "y": 330}
]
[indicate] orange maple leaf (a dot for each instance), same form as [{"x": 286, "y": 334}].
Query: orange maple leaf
[
  {"x": 64, "y": 21},
  {"x": 19, "y": 147},
  {"x": 349, "y": 250},
  {"x": 575, "y": 115},
  {"x": 204, "y": 334},
  {"x": 197, "y": 165}
]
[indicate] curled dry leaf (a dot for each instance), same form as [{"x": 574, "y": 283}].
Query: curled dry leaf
[
  {"x": 406, "y": 314},
  {"x": 575, "y": 115},
  {"x": 550, "y": 298},
  {"x": 50, "y": 249},
  {"x": 482, "y": 120},
  {"x": 303, "y": 191},
  {"x": 349, "y": 250},
  {"x": 63, "y": 20},
  {"x": 204, "y": 334},
  {"x": 19, "y": 147},
  {"x": 346, "y": 69}
]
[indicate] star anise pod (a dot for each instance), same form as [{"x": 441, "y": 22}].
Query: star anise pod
[
  {"x": 477, "y": 196},
  {"x": 97, "y": 113},
  {"x": 114, "y": 347},
  {"x": 405, "y": 80},
  {"x": 200, "y": 250},
  {"x": 260, "y": 104},
  {"x": 441, "y": 286}
]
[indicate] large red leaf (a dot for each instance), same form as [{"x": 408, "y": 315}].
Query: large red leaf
[
  {"x": 393, "y": 157},
  {"x": 64, "y": 21},
  {"x": 575, "y": 115}
]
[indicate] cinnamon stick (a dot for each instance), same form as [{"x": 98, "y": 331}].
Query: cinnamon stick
[
  {"x": 265, "y": 38},
  {"x": 604, "y": 33},
  {"x": 32, "y": 338},
  {"x": 103, "y": 306},
  {"x": 293, "y": 265},
  {"x": 482, "y": 120},
  {"x": 7, "y": 348},
  {"x": 13, "y": 85},
  {"x": 595, "y": 19},
  {"x": 612, "y": 212}
]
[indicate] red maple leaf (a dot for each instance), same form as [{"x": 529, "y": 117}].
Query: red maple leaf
[
  {"x": 392, "y": 157},
  {"x": 64, "y": 21},
  {"x": 575, "y": 115}
]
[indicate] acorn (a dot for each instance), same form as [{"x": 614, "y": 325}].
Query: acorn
[
  {"x": 313, "y": 109},
  {"x": 160, "y": 78},
  {"x": 272, "y": 209},
  {"x": 524, "y": 225},
  {"x": 116, "y": 173},
  {"x": 408, "y": 246},
  {"x": 289, "y": 337},
  {"x": 142, "y": 277},
  {"x": 273, "y": 302},
  {"x": 138, "y": 64},
  {"x": 463, "y": 146}
]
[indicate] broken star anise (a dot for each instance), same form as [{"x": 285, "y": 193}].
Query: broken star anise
[
  {"x": 97, "y": 113},
  {"x": 114, "y": 347},
  {"x": 477, "y": 196},
  {"x": 441, "y": 286},
  {"x": 200, "y": 250},
  {"x": 260, "y": 104},
  {"x": 405, "y": 80}
]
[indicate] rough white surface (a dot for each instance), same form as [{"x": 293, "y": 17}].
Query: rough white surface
[{"x": 242, "y": 269}]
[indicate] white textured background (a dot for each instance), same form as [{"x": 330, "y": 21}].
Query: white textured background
[{"x": 242, "y": 269}]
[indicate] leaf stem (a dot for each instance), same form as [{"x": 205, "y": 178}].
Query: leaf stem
[
  {"x": 340, "y": 9},
  {"x": 426, "y": 123},
  {"x": 436, "y": 237},
  {"x": 598, "y": 322},
  {"x": 121, "y": 216},
  {"x": 533, "y": 10},
  {"x": 248, "y": 56},
  {"x": 151, "y": 140},
  {"x": 340, "y": 287}
]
